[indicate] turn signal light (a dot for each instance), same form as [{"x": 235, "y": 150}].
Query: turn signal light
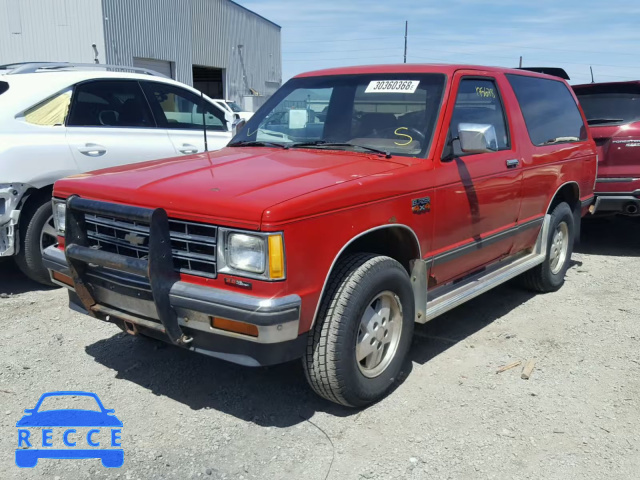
[
  {"x": 235, "y": 327},
  {"x": 276, "y": 257}
]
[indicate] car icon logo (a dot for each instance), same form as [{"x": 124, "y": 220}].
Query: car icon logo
[{"x": 69, "y": 433}]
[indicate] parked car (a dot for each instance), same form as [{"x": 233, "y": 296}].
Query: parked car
[
  {"x": 234, "y": 108},
  {"x": 613, "y": 113},
  {"x": 427, "y": 186},
  {"x": 63, "y": 119}
]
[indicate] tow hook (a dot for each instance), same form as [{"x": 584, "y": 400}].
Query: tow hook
[{"x": 130, "y": 328}]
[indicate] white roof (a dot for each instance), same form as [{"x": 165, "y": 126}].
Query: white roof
[{"x": 28, "y": 89}]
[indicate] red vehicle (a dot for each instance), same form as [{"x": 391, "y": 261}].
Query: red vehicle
[
  {"x": 613, "y": 114},
  {"x": 324, "y": 237}
]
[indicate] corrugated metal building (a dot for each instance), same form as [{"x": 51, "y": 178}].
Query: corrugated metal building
[{"x": 218, "y": 46}]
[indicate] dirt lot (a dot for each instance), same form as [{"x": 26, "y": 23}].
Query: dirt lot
[{"x": 189, "y": 416}]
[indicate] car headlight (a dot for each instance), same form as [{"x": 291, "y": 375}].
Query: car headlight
[
  {"x": 246, "y": 252},
  {"x": 252, "y": 255},
  {"x": 59, "y": 215}
]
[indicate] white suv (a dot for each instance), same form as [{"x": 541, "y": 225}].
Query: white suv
[{"x": 63, "y": 119}]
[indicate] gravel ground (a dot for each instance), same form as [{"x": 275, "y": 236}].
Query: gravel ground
[{"x": 190, "y": 416}]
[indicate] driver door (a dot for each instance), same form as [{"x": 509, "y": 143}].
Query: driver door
[{"x": 477, "y": 196}]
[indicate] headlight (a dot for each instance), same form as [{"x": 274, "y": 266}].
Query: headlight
[
  {"x": 59, "y": 215},
  {"x": 252, "y": 255},
  {"x": 246, "y": 252}
]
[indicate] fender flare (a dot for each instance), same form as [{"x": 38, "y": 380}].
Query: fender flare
[{"x": 345, "y": 246}]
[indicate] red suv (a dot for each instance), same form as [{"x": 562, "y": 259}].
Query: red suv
[
  {"x": 613, "y": 114},
  {"x": 354, "y": 203}
]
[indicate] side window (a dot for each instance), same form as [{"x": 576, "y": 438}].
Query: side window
[
  {"x": 478, "y": 103},
  {"x": 177, "y": 108},
  {"x": 549, "y": 110},
  {"x": 53, "y": 111},
  {"x": 110, "y": 103}
]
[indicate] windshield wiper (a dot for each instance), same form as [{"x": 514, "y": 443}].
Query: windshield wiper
[
  {"x": 323, "y": 143},
  {"x": 561, "y": 140},
  {"x": 603, "y": 120},
  {"x": 254, "y": 143}
]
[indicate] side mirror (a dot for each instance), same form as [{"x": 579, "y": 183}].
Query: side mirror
[
  {"x": 477, "y": 138},
  {"x": 238, "y": 124}
]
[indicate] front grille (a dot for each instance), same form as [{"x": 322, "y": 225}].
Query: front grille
[{"x": 194, "y": 245}]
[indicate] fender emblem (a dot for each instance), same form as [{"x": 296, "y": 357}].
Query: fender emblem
[{"x": 421, "y": 205}]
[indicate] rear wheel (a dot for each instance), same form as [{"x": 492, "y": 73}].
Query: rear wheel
[
  {"x": 549, "y": 275},
  {"x": 37, "y": 232},
  {"x": 363, "y": 331}
]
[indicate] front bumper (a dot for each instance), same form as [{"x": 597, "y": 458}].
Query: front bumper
[
  {"x": 9, "y": 234},
  {"x": 124, "y": 300},
  {"x": 11, "y": 197}
]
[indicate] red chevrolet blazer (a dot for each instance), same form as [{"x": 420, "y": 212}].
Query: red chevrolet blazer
[
  {"x": 354, "y": 203},
  {"x": 613, "y": 115}
]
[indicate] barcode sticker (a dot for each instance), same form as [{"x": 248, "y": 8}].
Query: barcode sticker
[{"x": 392, "y": 86}]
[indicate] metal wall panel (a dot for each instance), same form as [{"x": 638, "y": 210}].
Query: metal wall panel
[
  {"x": 197, "y": 32},
  {"x": 50, "y": 30},
  {"x": 153, "y": 29},
  {"x": 219, "y": 27},
  {"x": 184, "y": 32}
]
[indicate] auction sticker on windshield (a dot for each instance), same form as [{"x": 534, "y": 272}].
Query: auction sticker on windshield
[{"x": 392, "y": 86}]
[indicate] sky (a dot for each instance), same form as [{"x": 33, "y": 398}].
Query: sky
[{"x": 571, "y": 34}]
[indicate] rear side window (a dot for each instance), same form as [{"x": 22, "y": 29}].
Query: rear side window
[
  {"x": 550, "y": 111},
  {"x": 614, "y": 104},
  {"x": 53, "y": 111},
  {"x": 4, "y": 86},
  {"x": 110, "y": 103}
]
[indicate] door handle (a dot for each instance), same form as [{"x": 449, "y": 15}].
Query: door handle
[
  {"x": 187, "y": 148},
  {"x": 513, "y": 163},
  {"x": 92, "y": 150}
]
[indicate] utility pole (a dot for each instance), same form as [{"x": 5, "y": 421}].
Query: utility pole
[
  {"x": 406, "y": 30},
  {"x": 591, "y": 68},
  {"x": 520, "y": 62}
]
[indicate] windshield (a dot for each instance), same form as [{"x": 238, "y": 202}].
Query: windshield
[
  {"x": 4, "y": 86},
  {"x": 66, "y": 402},
  {"x": 394, "y": 113},
  {"x": 234, "y": 106},
  {"x": 610, "y": 104}
]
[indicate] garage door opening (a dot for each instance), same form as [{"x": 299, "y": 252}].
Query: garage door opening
[
  {"x": 160, "y": 66},
  {"x": 209, "y": 81}
]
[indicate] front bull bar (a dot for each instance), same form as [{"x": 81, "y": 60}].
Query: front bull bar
[{"x": 158, "y": 269}]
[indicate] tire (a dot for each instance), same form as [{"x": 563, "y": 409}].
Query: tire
[
  {"x": 29, "y": 258},
  {"x": 549, "y": 276},
  {"x": 361, "y": 284}
]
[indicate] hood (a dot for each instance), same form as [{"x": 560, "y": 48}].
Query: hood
[{"x": 232, "y": 186}]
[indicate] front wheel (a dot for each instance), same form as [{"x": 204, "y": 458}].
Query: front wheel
[
  {"x": 549, "y": 275},
  {"x": 358, "y": 346},
  {"x": 37, "y": 232}
]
